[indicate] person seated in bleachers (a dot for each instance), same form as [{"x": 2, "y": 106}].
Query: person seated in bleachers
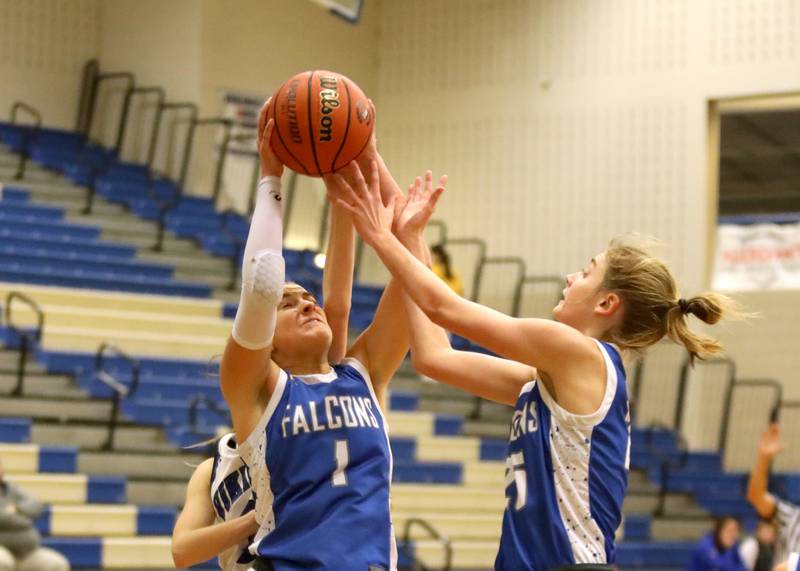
[
  {"x": 758, "y": 550},
  {"x": 785, "y": 514},
  {"x": 20, "y": 543},
  {"x": 719, "y": 550},
  {"x": 791, "y": 564},
  {"x": 443, "y": 268}
]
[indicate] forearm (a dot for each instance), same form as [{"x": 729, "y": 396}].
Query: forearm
[
  {"x": 337, "y": 280},
  {"x": 191, "y": 547},
  {"x": 757, "y": 492}
]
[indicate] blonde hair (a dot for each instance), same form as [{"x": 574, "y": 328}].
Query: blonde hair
[{"x": 651, "y": 306}]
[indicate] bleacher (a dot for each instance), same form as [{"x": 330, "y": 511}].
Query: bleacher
[{"x": 77, "y": 234}]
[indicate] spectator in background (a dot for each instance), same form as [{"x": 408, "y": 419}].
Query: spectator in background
[
  {"x": 20, "y": 543},
  {"x": 718, "y": 550},
  {"x": 441, "y": 267},
  {"x": 785, "y": 515},
  {"x": 758, "y": 551}
]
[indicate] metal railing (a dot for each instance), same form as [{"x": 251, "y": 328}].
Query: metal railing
[
  {"x": 481, "y": 246},
  {"x": 447, "y": 545},
  {"x": 86, "y": 98},
  {"x": 119, "y": 389},
  {"x": 238, "y": 248},
  {"x": 96, "y": 80},
  {"x": 769, "y": 384},
  {"x": 194, "y": 416},
  {"x": 502, "y": 261},
  {"x": 160, "y": 109},
  {"x": 26, "y": 133},
  {"x": 126, "y": 105},
  {"x": 27, "y": 339}
]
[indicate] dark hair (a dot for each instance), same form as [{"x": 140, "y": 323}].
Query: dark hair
[
  {"x": 719, "y": 524},
  {"x": 439, "y": 250}
]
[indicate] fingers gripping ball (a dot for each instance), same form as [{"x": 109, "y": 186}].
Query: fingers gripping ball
[{"x": 322, "y": 122}]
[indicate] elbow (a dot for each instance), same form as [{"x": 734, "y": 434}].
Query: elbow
[
  {"x": 181, "y": 556},
  {"x": 421, "y": 362}
]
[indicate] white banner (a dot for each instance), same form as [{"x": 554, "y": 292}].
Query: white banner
[{"x": 757, "y": 257}]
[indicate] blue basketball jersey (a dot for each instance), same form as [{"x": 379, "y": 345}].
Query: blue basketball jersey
[
  {"x": 321, "y": 468},
  {"x": 566, "y": 477},
  {"x": 232, "y": 497}
]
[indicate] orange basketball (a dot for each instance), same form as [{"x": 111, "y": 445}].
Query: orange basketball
[{"x": 322, "y": 122}]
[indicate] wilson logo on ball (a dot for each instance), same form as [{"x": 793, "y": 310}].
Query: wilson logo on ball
[{"x": 329, "y": 102}]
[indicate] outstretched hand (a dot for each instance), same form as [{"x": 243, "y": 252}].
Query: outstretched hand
[
  {"x": 410, "y": 220},
  {"x": 770, "y": 445},
  {"x": 371, "y": 217},
  {"x": 270, "y": 165}
]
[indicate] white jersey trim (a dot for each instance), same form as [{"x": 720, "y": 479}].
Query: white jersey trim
[
  {"x": 793, "y": 564},
  {"x": 254, "y": 453},
  {"x": 595, "y": 418}
]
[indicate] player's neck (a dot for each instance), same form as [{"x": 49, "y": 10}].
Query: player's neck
[{"x": 306, "y": 366}]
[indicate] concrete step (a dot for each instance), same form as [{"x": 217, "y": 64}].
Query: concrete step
[
  {"x": 41, "y": 385},
  {"x": 146, "y": 242},
  {"x": 142, "y": 465},
  {"x": 32, "y": 172},
  {"x": 156, "y": 492},
  {"x": 10, "y": 358},
  {"x": 646, "y": 503},
  {"x": 226, "y": 295},
  {"x": 187, "y": 263},
  {"x": 680, "y": 528},
  {"x": 483, "y": 429},
  {"x": 92, "y": 436},
  {"x": 58, "y": 409},
  {"x": 119, "y": 221}
]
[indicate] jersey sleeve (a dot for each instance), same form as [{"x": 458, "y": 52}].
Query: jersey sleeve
[{"x": 787, "y": 518}]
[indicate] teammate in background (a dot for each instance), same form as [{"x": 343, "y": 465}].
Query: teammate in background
[
  {"x": 218, "y": 518},
  {"x": 313, "y": 435},
  {"x": 786, "y": 515},
  {"x": 569, "y": 448}
]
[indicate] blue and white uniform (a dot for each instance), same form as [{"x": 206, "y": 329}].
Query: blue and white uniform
[
  {"x": 231, "y": 496},
  {"x": 793, "y": 564},
  {"x": 566, "y": 477},
  {"x": 321, "y": 468}
]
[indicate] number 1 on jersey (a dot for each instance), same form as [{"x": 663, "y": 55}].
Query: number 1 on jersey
[{"x": 342, "y": 455}]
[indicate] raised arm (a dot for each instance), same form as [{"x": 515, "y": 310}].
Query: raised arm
[
  {"x": 196, "y": 538},
  {"x": 432, "y": 354},
  {"x": 547, "y": 345},
  {"x": 337, "y": 278},
  {"x": 769, "y": 446},
  {"x": 247, "y": 373}
]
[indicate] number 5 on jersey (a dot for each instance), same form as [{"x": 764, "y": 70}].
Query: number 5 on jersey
[
  {"x": 515, "y": 474},
  {"x": 341, "y": 454}
]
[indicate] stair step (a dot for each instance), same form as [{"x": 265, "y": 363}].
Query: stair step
[
  {"x": 55, "y": 409},
  {"x": 156, "y": 493},
  {"x": 38, "y": 384},
  {"x": 139, "y": 465},
  {"x": 93, "y": 436}
]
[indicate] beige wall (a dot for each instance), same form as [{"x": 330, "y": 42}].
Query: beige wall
[
  {"x": 563, "y": 123},
  {"x": 43, "y": 46}
]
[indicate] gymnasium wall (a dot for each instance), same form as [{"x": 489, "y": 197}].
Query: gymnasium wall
[
  {"x": 43, "y": 46},
  {"x": 562, "y": 124}
]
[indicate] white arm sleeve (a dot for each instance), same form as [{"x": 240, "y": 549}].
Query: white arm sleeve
[{"x": 263, "y": 271}]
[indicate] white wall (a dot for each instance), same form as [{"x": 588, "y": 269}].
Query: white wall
[
  {"x": 43, "y": 46},
  {"x": 564, "y": 122}
]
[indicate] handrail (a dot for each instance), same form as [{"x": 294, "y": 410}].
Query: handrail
[
  {"x": 86, "y": 97},
  {"x": 126, "y": 104},
  {"x": 684, "y": 379},
  {"x": 435, "y": 534},
  {"x": 666, "y": 463},
  {"x": 194, "y": 405},
  {"x": 238, "y": 247},
  {"x": 726, "y": 411},
  {"x": 129, "y": 78},
  {"x": 27, "y": 339},
  {"x": 167, "y": 106},
  {"x": 442, "y": 226},
  {"x": 470, "y": 241},
  {"x": 119, "y": 389},
  {"x": 502, "y": 260},
  {"x": 30, "y": 110},
  {"x": 24, "y": 153},
  {"x": 548, "y": 278}
]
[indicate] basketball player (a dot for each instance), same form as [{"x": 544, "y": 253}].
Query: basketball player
[
  {"x": 785, "y": 514},
  {"x": 570, "y": 434},
  {"x": 313, "y": 435},
  {"x": 218, "y": 517}
]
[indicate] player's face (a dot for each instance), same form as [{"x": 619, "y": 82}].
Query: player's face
[
  {"x": 581, "y": 294},
  {"x": 729, "y": 533},
  {"x": 301, "y": 324}
]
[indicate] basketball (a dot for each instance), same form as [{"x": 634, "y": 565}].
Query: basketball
[{"x": 322, "y": 122}]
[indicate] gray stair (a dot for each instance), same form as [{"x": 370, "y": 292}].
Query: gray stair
[
  {"x": 143, "y": 465},
  {"x": 41, "y": 385},
  {"x": 156, "y": 492},
  {"x": 680, "y": 528},
  {"x": 93, "y": 436},
  {"x": 58, "y": 409},
  {"x": 9, "y": 359}
]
